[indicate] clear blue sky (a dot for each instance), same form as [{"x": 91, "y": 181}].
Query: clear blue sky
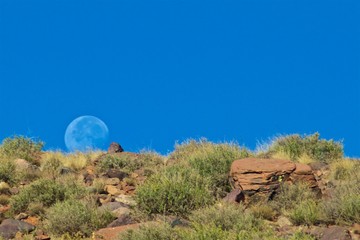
[{"x": 160, "y": 71}]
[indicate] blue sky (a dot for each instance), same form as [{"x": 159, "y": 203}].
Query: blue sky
[{"x": 157, "y": 72}]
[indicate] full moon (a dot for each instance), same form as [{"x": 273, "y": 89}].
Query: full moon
[{"x": 86, "y": 133}]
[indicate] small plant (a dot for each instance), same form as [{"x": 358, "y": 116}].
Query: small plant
[
  {"x": 264, "y": 211},
  {"x": 51, "y": 167},
  {"x": 301, "y": 236},
  {"x": 75, "y": 217},
  {"x": 4, "y": 200},
  {"x": 177, "y": 190},
  {"x": 344, "y": 169},
  {"x": 22, "y": 147},
  {"x": 306, "y": 213}
]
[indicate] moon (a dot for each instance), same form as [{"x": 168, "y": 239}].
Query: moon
[{"x": 86, "y": 133}]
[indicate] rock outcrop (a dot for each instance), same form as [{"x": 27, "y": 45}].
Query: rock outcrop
[
  {"x": 264, "y": 176},
  {"x": 115, "y": 148}
]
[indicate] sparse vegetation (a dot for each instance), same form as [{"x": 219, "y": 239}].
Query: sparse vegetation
[
  {"x": 304, "y": 148},
  {"x": 22, "y": 147},
  {"x": 176, "y": 190},
  {"x": 64, "y": 191},
  {"x": 75, "y": 217},
  {"x": 210, "y": 160}
]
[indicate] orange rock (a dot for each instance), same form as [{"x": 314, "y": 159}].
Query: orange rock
[
  {"x": 112, "y": 233},
  {"x": 32, "y": 220}
]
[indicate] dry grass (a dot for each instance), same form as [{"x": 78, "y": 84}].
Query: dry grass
[{"x": 76, "y": 161}]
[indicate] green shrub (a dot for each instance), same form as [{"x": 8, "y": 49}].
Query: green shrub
[
  {"x": 345, "y": 169},
  {"x": 211, "y": 160},
  {"x": 306, "y": 212},
  {"x": 312, "y": 146},
  {"x": 158, "y": 231},
  {"x": 75, "y": 217},
  {"x": 344, "y": 205},
  {"x": 290, "y": 195},
  {"x": 176, "y": 190},
  {"x": 227, "y": 221},
  {"x": 22, "y": 147},
  {"x": 264, "y": 211},
  {"x": 7, "y": 171},
  {"x": 45, "y": 192},
  {"x": 51, "y": 168}
]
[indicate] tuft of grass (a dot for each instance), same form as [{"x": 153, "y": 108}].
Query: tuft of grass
[
  {"x": 304, "y": 148},
  {"x": 177, "y": 190},
  {"x": 291, "y": 195},
  {"x": 344, "y": 169},
  {"x": 307, "y": 212},
  {"x": 210, "y": 160},
  {"x": 151, "y": 161},
  {"x": 150, "y": 231},
  {"x": 22, "y": 147},
  {"x": 75, "y": 161},
  {"x": 76, "y": 218},
  {"x": 264, "y": 211}
]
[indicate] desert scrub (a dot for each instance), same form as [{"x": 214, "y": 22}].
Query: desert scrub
[
  {"x": 344, "y": 205},
  {"x": 51, "y": 167},
  {"x": 158, "y": 231},
  {"x": 345, "y": 169},
  {"x": 307, "y": 212},
  {"x": 7, "y": 171},
  {"x": 211, "y": 160},
  {"x": 75, "y": 161},
  {"x": 226, "y": 221},
  {"x": 309, "y": 147},
  {"x": 45, "y": 192},
  {"x": 22, "y": 147},
  {"x": 75, "y": 217},
  {"x": 176, "y": 190},
  {"x": 290, "y": 195},
  {"x": 131, "y": 162}
]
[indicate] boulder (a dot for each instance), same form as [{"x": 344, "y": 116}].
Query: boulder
[
  {"x": 253, "y": 175},
  {"x": 115, "y": 148},
  {"x": 264, "y": 176},
  {"x": 112, "y": 233},
  {"x": 115, "y": 173},
  {"x": 113, "y": 190},
  {"x": 331, "y": 233},
  {"x": 125, "y": 199},
  {"x": 9, "y": 228},
  {"x": 111, "y": 206},
  {"x": 303, "y": 172},
  {"x": 121, "y": 221},
  {"x": 235, "y": 196}
]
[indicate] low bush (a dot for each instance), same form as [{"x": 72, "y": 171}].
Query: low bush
[
  {"x": 75, "y": 217},
  {"x": 22, "y": 147},
  {"x": 46, "y": 192},
  {"x": 306, "y": 212},
  {"x": 290, "y": 195},
  {"x": 176, "y": 190},
  {"x": 308, "y": 147},
  {"x": 211, "y": 160},
  {"x": 7, "y": 171},
  {"x": 344, "y": 205},
  {"x": 158, "y": 231},
  {"x": 344, "y": 169}
]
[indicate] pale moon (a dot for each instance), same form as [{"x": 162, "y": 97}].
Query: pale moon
[{"x": 86, "y": 133}]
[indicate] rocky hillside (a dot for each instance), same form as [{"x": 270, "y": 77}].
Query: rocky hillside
[{"x": 295, "y": 187}]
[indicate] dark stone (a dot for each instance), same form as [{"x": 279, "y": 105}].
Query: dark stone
[
  {"x": 336, "y": 233},
  {"x": 123, "y": 220},
  {"x": 9, "y": 228},
  {"x": 111, "y": 206},
  {"x": 66, "y": 170},
  {"x": 235, "y": 196},
  {"x": 115, "y": 148},
  {"x": 115, "y": 173}
]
